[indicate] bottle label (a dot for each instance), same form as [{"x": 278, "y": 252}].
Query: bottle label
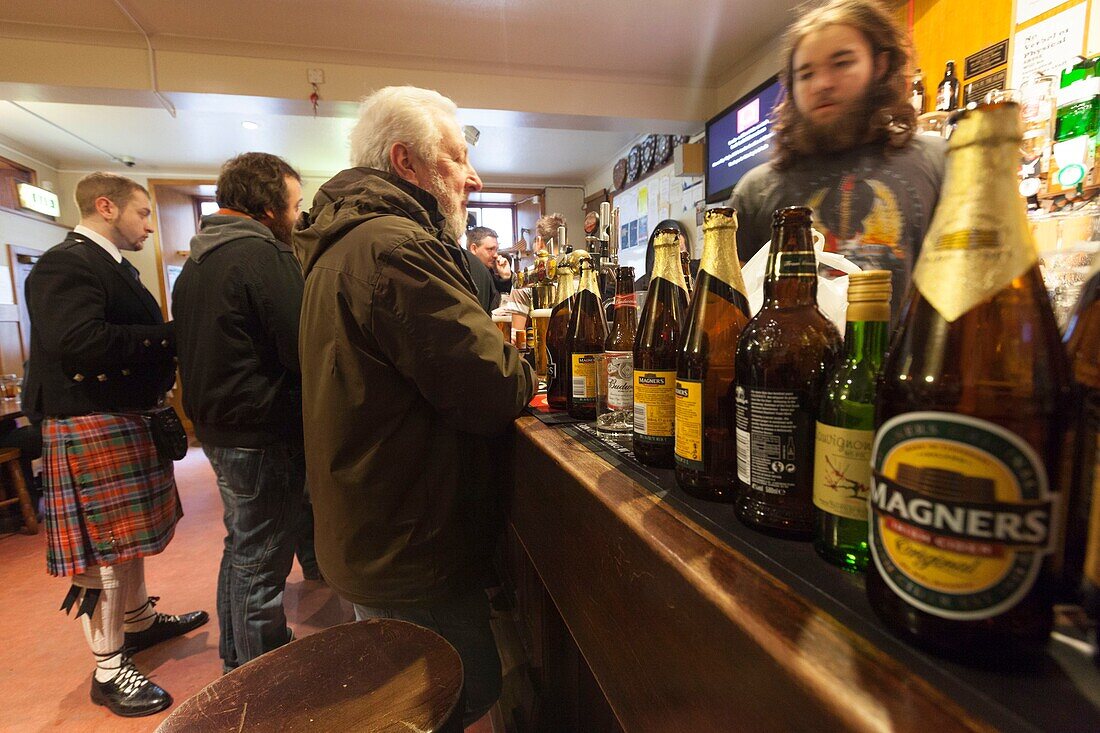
[
  {"x": 943, "y": 99},
  {"x": 654, "y": 405},
  {"x": 627, "y": 300},
  {"x": 620, "y": 380},
  {"x": 689, "y": 423},
  {"x": 584, "y": 378},
  {"x": 774, "y": 439},
  {"x": 961, "y": 515},
  {"x": 842, "y": 471}
]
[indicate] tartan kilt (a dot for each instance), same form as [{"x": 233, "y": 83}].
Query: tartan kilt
[{"x": 109, "y": 497}]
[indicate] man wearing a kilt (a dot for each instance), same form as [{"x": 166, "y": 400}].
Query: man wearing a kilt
[{"x": 100, "y": 355}]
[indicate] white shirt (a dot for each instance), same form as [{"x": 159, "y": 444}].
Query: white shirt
[{"x": 99, "y": 239}]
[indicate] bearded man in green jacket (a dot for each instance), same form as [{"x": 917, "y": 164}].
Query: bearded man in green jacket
[{"x": 409, "y": 391}]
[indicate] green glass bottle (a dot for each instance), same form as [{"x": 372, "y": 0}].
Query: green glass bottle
[
  {"x": 845, "y": 425},
  {"x": 1078, "y": 101}
]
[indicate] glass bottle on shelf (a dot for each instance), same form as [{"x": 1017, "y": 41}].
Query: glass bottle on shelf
[
  {"x": 557, "y": 356},
  {"x": 619, "y": 349},
  {"x": 916, "y": 92},
  {"x": 655, "y": 350},
  {"x": 584, "y": 341},
  {"x": 970, "y": 421},
  {"x": 706, "y": 452},
  {"x": 947, "y": 93},
  {"x": 846, "y": 425},
  {"x": 783, "y": 359}
]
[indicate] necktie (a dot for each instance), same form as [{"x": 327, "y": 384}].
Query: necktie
[{"x": 130, "y": 269}]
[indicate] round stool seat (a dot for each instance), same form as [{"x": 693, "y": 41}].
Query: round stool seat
[{"x": 374, "y": 675}]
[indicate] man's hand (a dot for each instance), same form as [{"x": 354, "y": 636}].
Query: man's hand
[{"x": 504, "y": 269}]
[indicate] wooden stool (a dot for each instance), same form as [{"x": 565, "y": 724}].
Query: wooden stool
[
  {"x": 10, "y": 458},
  {"x": 371, "y": 676}
]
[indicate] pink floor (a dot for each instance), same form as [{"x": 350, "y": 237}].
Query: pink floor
[{"x": 45, "y": 665}]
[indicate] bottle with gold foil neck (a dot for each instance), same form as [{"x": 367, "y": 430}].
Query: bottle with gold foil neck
[
  {"x": 655, "y": 351},
  {"x": 967, "y": 496},
  {"x": 845, "y": 427},
  {"x": 584, "y": 341},
  {"x": 557, "y": 356},
  {"x": 706, "y": 449}
]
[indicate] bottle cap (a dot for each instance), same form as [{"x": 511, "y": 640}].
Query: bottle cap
[{"x": 870, "y": 286}]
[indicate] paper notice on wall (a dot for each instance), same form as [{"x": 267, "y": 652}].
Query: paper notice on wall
[
  {"x": 1046, "y": 47},
  {"x": 1028, "y": 9}
]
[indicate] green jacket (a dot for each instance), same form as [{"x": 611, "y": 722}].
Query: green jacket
[{"x": 409, "y": 393}]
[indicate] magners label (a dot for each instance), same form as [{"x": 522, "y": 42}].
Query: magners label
[
  {"x": 961, "y": 514},
  {"x": 689, "y": 424},
  {"x": 654, "y": 409},
  {"x": 584, "y": 378}
]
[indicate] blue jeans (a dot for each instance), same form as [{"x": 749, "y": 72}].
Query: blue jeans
[
  {"x": 464, "y": 622},
  {"x": 262, "y": 490}
]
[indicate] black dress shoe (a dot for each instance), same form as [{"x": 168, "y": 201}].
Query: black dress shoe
[
  {"x": 130, "y": 694},
  {"x": 164, "y": 627}
]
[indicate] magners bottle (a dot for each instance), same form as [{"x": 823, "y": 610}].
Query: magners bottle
[
  {"x": 619, "y": 349},
  {"x": 846, "y": 425},
  {"x": 1083, "y": 344},
  {"x": 557, "y": 355},
  {"x": 970, "y": 419},
  {"x": 784, "y": 356},
  {"x": 655, "y": 349},
  {"x": 584, "y": 341},
  {"x": 706, "y": 447}
]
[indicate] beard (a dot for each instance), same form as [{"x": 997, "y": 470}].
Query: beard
[
  {"x": 846, "y": 131},
  {"x": 452, "y": 207},
  {"x": 281, "y": 228}
]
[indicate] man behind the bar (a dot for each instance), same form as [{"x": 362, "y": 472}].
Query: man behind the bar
[
  {"x": 408, "y": 389},
  {"x": 484, "y": 244},
  {"x": 845, "y": 145},
  {"x": 236, "y": 306},
  {"x": 100, "y": 354}
]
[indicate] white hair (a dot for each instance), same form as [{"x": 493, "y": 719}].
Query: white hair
[{"x": 409, "y": 115}]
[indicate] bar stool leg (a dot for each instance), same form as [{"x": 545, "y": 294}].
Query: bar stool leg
[{"x": 25, "y": 505}]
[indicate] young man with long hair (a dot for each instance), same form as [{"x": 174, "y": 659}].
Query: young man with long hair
[{"x": 845, "y": 143}]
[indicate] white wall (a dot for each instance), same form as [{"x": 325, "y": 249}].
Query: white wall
[{"x": 569, "y": 202}]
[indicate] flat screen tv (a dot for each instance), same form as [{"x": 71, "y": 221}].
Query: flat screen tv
[{"x": 739, "y": 139}]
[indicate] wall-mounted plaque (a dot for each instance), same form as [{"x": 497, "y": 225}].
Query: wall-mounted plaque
[
  {"x": 988, "y": 58},
  {"x": 975, "y": 91}
]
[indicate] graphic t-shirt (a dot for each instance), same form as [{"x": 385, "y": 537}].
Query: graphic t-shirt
[{"x": 873, "y": 206}]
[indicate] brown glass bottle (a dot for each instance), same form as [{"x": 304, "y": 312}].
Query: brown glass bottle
[
  {"x": 619, "y": 348},
  {"x": 784, "y": 357},
  {"x": 706, "y": 446},
  {"x": 584, "y": 341},
  {"x": 1083, "y": 347},
  {"x": 685, "y": 266},
  {"x": 655, "y": 351},
  {"x": 557, "y": 356},
  {"x": 970, "y": 421}
]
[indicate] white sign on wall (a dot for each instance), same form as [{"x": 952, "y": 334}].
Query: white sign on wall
[
  {"x": 39, "y": 199},
  {"x": 1046, "y": 47},
  {"x": 1028, "y": 9}
]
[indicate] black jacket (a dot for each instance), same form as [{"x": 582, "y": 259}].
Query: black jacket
[
  {"x": 236, "y": 306},
  {"x": 487, "y": 293},
  {"x": 98, "y": 340}
]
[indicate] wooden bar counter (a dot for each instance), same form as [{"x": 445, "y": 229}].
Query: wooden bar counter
[{"x": 687, "y": 621}]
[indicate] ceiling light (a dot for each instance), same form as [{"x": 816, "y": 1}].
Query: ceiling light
[{"x": 249, "y": 125}]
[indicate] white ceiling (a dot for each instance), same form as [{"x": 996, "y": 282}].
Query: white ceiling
[{"x": 688, "y": 42}]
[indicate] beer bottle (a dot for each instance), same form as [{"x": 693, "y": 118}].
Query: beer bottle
[
  {"x": 970, "y": 418},
  {"x": 557, "y": 356},
  {"x": 619, "y": 348},
  {"x": 655, "y": 350},
  {"x": 685, "y": 265},
  {"x": 706, "y": 453},
  {"x": 947, "y": 93},
  {"x": 916, "y": 92},
  {"x": 846, "y": 425},
  {"x": 1083, "y": 344},
  {"x": 584, "y": 340},
  {"x": 784, "y": 356}
]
